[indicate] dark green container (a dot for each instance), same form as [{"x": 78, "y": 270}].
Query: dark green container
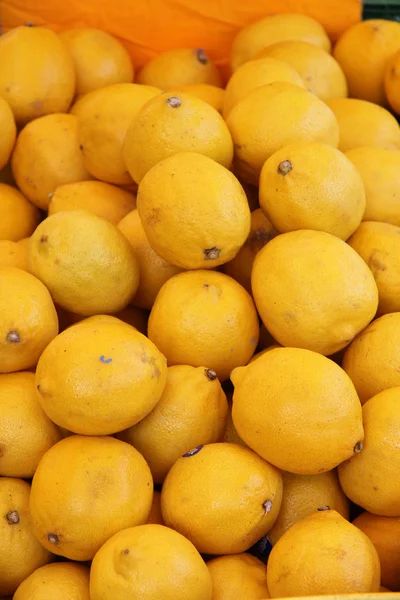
[{"x": 382, "y": 9}]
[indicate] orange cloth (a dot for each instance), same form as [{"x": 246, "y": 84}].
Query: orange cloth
[{"x": 148, "y": 27}]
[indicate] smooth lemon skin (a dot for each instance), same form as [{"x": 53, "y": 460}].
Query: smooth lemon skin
[
  {"x": 86, "y": 263},
  {"x": 104, "y": 116},
  {"x": 273, "y": 116},
  {"x": 149, "y": 562},
  {"x": 298, "y": 425},
  {"x": 276, "y": 28},
  {"x": 37, "y": 77},
  {"x": 99, "y": 59},
  {"x": 328, "y": 533},
  {"x": 219, "y": 314},
  {"x": 28, "y": 319},
  {"x": 57, "y": 580},
  {"x": 312, "y": 186}
]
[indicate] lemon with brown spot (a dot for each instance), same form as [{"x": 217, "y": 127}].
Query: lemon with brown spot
[
  {"x": 379, "y": 245},
  {"x": 180, "y": 66},
  {"x": 20, "y": 551},
  {"x": 169, "y": 124},
  {"x": 312, "y": 186},
  {"x": 28, "y": 319},
  {"x": 84, "y": 490},
  {"x": 298, "y": 424},
  {"x": 100, "y": 376},
  {"x": 194, "y": 211}
]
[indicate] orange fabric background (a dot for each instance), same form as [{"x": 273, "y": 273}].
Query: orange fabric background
[{"x": 148, "y": 27}]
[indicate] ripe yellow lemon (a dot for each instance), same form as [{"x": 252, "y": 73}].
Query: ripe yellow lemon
[
  {"x": 26, "y": 432},
  {"x": 175, "y": 123},
  {"x": 313, "y": 291},
  {"x": 363, "y": 123},
  {"x": 332, "y": 557},
  {"x": 238, "y": 576},
  {"x": 177, "y": 424},
  {"x": 180, "y": 66},
  {"x": 321, "y": 73},
  {"x": 99, "y": 59},
  {"x": 58, "y": 580},
  {"x": 102, "y": 199},
  {"x": 223, "y": 497},
  {"x": 47, "y": 155},
  {"x": 372, "y": 358},
  {"x": 204, "y": 318},
  {"x": 380, "y": 172},
  {"x": 273, "y": 116},
  {"x": 371, "y": 479},
  {"x": 154, "y": 270},
  {"x": 276, "y": 28},
  {"x": 19, "y": 216},
  {"x": 261, "y": 232},
  {"x": 254, "y": 74},
  {"x": 312, "y": 186},
  {"x": 149, "y": 562},
  {"x": 28, "y": 319},
  {"x": 9, "y": 132},
  {"x": 104, "y": 116},
  {"x": 297, "y": 424},
  {"x": 86, "y": 263},
  {"x": 84, "y": 490},
  {"x": 379, "y": 245},
  {"x": 100, "y": 376},
  {"x": 37, "y": 77},
  {"x": 304, "y": 494},
  {"x": 20, "y": 551},
  {"x": 194, "y": 211}
]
